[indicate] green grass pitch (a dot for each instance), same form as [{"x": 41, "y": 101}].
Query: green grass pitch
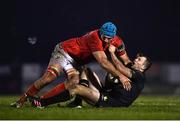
[{"x": 145, "y": 107}]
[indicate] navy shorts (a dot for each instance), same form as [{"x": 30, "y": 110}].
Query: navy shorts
[{"x": 106, "y": 100}]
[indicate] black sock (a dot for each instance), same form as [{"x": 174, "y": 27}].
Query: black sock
[
  {"x": 78, "y": 100},
  {"x": 61, "y": 97}
]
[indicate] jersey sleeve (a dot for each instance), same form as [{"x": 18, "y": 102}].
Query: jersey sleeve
[
  {"x": 121, "y": 49},
  {"x": 119, "y": 44},
  {"x": 95, "y": 44}
]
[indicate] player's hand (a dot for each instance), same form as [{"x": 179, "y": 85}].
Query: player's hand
[
  {"x": 112, "y": 48},
  {"x": 126, "y": 82}
]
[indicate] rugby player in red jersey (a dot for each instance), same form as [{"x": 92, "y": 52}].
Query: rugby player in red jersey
[{"x": 73, "y": 53}]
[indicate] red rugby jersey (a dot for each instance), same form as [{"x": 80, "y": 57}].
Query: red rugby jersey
[{"x": 81, "y": 48}]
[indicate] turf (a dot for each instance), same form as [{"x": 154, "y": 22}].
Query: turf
[{"x": 145, "y": 107}]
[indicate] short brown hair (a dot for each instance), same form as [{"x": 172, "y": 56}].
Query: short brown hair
[{"x": 147, "y": 63}]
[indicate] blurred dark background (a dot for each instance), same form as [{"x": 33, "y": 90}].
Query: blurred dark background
[{"x": 31, "y": 28}]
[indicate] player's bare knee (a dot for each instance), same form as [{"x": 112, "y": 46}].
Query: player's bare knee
[
  {"x": 73, "y": 75},
  {"x": 75, "y": 89},
  {"x": 71, "y": 84},
  {"x": 75, "y": 80},
  {"x": 79, "y": 89}
]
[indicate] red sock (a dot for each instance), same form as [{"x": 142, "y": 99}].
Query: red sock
[
  {"x": 54, "y": 91},
  {"x": 32, "y": 90}
]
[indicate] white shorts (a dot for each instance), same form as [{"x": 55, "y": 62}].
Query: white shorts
[{"x": 61, "y": 58}]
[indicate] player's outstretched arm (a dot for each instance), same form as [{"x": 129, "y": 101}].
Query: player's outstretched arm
[
  {"x": 118, "y": 64},
  {"x": 109, "y": 67}
]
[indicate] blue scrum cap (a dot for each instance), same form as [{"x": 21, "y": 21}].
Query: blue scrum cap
[{"x": 108, "y": 29}]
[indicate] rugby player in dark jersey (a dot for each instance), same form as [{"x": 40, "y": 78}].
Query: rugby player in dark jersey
[{"x": 113, "y": 94}]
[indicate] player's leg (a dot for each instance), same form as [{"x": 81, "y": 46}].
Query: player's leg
[
  {"x": 83, "y": 89},
  {"x": 52, "y": 72},
  {"x": 77, "y": 102},
  {"x": 73, "y": 77},
  {"x": 90, "y": 95},
  {"x": 94, "y": 84},
  {"x": 33, "y": 89},
  {"x": 66, "y": 62},
  {"x": 41, "y": 102},
  {"x": 72, "y": 89},
  {"x": 61, "y": 97},
  {"x": 64, "y": 95},
  {"x": 54, "y": 91},
  {"x": 94, "y": 96}
]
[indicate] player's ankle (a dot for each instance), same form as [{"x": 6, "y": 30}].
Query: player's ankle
[{"x": 23, "y": 98}]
